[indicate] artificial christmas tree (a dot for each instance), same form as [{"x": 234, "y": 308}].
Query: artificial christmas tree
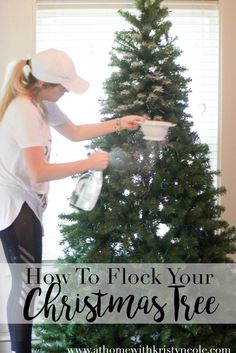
[{"x": 161, "y": 205}]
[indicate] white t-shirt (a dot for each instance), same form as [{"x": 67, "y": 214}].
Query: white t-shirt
[{"x": 23, "y": 126}]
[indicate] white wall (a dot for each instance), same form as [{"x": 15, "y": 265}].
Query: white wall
[
  {"x": 228, "y": 108},
  {"x": 17, "y": 31},
  {"x": 17, "y": 38}
]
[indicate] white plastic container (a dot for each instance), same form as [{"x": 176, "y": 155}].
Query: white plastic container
[{"x": 154, "y": 130}]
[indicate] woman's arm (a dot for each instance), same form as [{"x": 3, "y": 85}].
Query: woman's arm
[
  {"x": 40, "y": 170},
  {"x": 89, "y": 131}
]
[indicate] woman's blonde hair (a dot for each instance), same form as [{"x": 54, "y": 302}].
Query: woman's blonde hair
[
  {"x": 20, "y": 82},
  {"x": 17, "y": 83}
]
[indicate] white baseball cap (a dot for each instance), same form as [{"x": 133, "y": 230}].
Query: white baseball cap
[{"x": 55, "y": 66}]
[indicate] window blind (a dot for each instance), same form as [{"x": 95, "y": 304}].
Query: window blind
[{"x": 86, "y": 33}]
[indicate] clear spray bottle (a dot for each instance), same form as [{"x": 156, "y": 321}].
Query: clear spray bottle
[
  {"x": 89, "y": 184},
  {"x": 87, "y": 190}
]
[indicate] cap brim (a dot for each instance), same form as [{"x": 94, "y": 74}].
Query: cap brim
[{"x": 77, "y": 85}]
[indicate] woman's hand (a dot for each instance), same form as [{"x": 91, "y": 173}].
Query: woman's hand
[
  {"x": 99, "y": 160},
  {"x": 131, "y": 122}
]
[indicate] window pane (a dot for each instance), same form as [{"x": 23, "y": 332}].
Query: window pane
[
  {"x": 198, "y": 37},
  {"x": 87, "y": 36}
]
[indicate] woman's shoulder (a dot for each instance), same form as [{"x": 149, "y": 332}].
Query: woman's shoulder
[
  {"x": 22, "y": 101},
  {"x": 22, "y": 105},
  {"x": 21, "y": 110}
]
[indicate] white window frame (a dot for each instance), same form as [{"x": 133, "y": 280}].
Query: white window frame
[{"x": 44, "y": 4}]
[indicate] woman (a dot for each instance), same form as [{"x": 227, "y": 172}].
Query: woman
[{"x": 27, "y": 110}]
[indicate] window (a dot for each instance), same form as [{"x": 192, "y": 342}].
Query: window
[{"x": 86, "y": 33}]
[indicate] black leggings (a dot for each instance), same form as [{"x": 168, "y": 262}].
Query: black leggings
[{"x": 22, "y": 243}]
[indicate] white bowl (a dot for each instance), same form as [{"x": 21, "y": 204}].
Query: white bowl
[{"x": 154, "y": 130}]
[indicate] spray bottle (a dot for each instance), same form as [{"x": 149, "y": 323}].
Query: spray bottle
[
  {"x": 87, "y": 190},
  {"x": 89, "y": 184}
]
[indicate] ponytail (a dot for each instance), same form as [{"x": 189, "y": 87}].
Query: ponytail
[{"x": 20, "y": 82}]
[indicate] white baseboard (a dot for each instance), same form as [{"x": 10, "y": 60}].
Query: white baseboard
[
  {"x": 4, "y": 334},
  {"x": 5, "y": 346}
]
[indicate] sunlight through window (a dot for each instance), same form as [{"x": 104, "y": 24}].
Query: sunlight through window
[{"x": 87, "y": 35}]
